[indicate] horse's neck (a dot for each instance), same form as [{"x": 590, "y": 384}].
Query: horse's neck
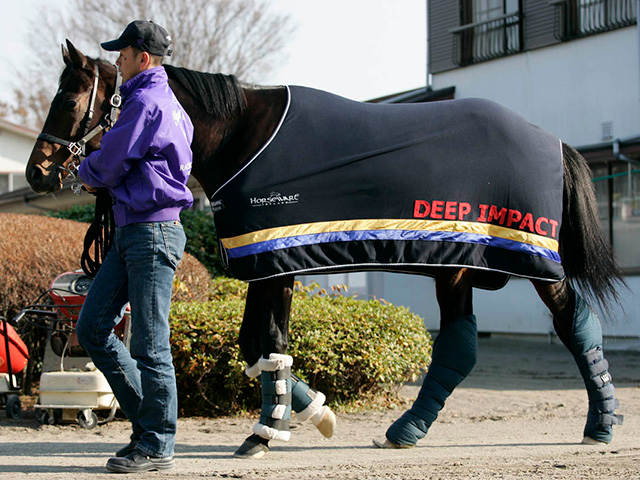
[{"x": 222, "y": 148}]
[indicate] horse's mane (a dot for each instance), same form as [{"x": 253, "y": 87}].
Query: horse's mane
[{"x": 220, "y": 94}]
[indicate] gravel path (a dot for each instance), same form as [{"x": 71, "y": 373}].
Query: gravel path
[{"x": 518, "y": 416}]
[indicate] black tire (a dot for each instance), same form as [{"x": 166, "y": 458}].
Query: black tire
[
  {"x": 42, "y": 416},
  {"x": 93, "y": 421},
  {"x": 14, "y": 407}
]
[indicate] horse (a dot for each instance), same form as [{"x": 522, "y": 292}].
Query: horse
[{"x": 466, "y": 192}]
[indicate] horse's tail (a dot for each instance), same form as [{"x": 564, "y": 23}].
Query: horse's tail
[{"x": 587, "y": 254}]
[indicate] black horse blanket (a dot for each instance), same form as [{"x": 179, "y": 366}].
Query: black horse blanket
[{"x": 350, "y": 186}]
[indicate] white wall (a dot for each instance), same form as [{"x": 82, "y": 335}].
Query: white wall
[
  {"x": 568, "y": 89},
  {"x": 16, "y": 146}
]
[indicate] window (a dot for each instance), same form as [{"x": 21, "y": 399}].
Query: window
[
  {"x": 626, "y": 214},
  {"x": 602, "y": 183},
  {"x": 618, "y": 191},
  {"x": 483, "y": 10},
  {"x": 579, "y": 18},
  {"x": 19, "y": 180},
  {"x": 489, "y": 29},
  {"x": 12, "y": 181}
]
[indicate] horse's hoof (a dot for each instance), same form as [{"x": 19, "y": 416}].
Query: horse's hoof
[
  {"x": 253, "y": 447},
  {"x": 326, "y": 422},
  {"x": 591, "y": 441},
  {"x": 598, "y": 434},
  {"x": 387, "y": 444}
]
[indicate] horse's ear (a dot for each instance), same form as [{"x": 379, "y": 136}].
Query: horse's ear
[
  {"x": 76, "y": 56},
  {"x": 65, "y": 56}
]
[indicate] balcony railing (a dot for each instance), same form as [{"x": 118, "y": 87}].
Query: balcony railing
[
  {"x": 579, "y": 18},
  {"x": 482, "y": 41}
]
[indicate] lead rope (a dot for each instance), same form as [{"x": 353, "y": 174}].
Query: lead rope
[
  {"x": 99, "y": 235},
  {"x": 102, "y": 230}
]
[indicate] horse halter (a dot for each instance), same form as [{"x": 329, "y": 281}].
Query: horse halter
[{"x": 77, "y": 149}]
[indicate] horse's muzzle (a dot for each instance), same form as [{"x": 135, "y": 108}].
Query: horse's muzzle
[
  {"x": 43, "y": 181},
  {"x": 43, "y": 172}
]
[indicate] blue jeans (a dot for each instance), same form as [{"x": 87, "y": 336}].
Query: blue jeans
[{"x": 138, "y": 269}]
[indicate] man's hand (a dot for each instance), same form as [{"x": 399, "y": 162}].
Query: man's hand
[{"x": 88, "y": 188}]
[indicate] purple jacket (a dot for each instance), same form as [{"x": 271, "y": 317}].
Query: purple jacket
[{"x": 145, "y": 159}]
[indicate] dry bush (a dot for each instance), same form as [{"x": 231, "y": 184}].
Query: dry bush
[
  {"x": 35, "y": 249},
  {"x": 192, "y": 281}
]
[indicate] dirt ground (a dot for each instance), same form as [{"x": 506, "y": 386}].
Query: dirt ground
[{"x": 518, "y": 416}]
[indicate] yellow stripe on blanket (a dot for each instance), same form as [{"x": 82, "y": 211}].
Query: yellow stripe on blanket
[{"x": 390, "y": 224}]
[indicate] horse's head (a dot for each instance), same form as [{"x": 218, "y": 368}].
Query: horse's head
[{"x": 70, "y": 117}]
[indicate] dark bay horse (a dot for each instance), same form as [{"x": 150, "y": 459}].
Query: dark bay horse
[{"x": 500, "y": 197}]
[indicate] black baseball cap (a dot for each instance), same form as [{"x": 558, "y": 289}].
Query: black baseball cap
[{"x": 142, "y": 34}]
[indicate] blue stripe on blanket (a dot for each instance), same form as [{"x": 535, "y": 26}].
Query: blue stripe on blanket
[{"x": 330, "y": 237}]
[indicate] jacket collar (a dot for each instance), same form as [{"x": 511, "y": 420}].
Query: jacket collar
[{"x": 146, "y": 79}]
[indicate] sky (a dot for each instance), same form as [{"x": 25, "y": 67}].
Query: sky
[{"x": 360, "y": 49}]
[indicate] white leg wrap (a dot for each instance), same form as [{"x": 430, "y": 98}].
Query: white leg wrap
[
  {"x": 281, "y": 387},
  {"x": 253, "y": 371},
  {"x": 270, "y": 433},
  {"x": 275, "y": 362},
  {"x": 278, "y": 412},
  {"x": 313, "y": 408}
]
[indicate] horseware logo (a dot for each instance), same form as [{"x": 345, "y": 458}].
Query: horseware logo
[
  {"x": 177, "y": 116},
  {"x": 274, "y": 198}
]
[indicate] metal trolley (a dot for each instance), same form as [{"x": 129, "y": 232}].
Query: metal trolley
[{"x": 71, "y": 388}]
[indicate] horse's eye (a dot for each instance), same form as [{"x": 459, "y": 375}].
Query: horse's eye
[{"x": 70, "y": 105}]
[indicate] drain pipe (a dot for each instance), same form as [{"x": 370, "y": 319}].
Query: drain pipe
[
  {"x": 429, "y": 77},
  {"x": 621, "y": 156}
]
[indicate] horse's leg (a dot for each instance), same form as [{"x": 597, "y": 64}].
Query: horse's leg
[
  {"x": 579, "y": 330},
  {"x": 249, "y": 338},
  {"x": 453, "y": 357},
  {"x": 264, "y": 338},
  {"x": 276, "y": 306}
]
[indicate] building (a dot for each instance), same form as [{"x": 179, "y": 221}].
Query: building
[
  {"x": 16, "y": 143},
  {"x": 571, "y": 67}
]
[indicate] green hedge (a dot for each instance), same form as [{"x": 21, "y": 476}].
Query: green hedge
[
  {"x": 78, "y": 213},
  {"x": 202, "y": 240},
  {"x": 351, "y": 350}
]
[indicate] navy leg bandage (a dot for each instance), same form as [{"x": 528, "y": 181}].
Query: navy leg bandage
[
  {"x": 275, "y": 415},
  {"x": 453, "y": 358},
  {"x": 586, "y": 347},
  {"x": 305, "y": 401}
]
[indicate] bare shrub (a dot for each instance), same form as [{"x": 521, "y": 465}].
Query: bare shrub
[{"x": 35, "y": 249}]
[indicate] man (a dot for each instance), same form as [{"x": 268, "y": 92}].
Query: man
[{"x": 144, "y": 162}]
